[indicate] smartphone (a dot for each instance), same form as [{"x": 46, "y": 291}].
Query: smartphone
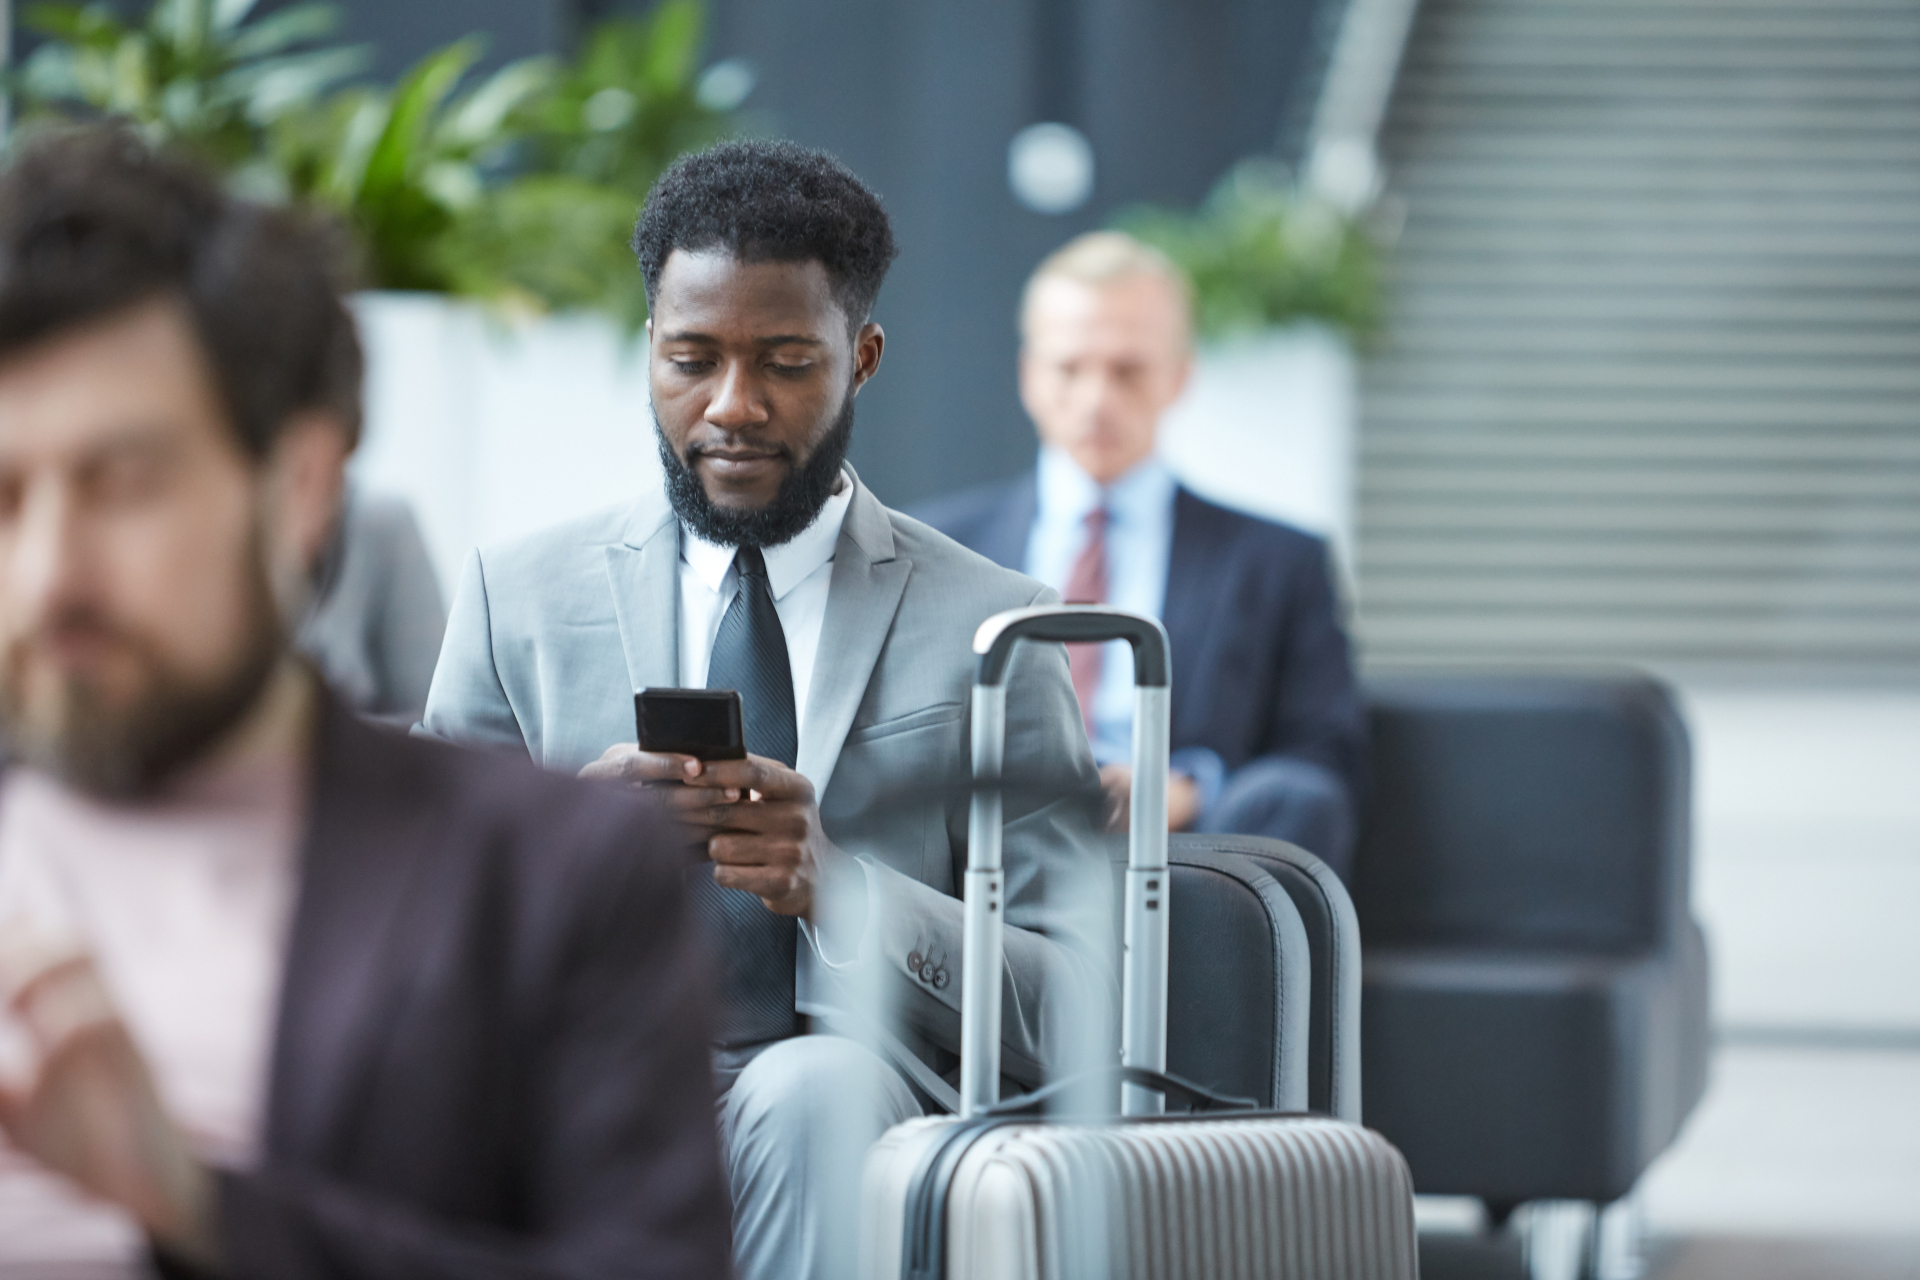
[{"x": 703, "y": 723}]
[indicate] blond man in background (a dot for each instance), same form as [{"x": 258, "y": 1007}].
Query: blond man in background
[{"x": 1268, "y": 733}]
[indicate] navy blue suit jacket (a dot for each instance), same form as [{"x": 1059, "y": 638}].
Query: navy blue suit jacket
[{"x": 1261, "y": 665}]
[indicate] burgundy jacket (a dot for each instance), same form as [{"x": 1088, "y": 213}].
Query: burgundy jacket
[{"x": 491, "y": 1057}]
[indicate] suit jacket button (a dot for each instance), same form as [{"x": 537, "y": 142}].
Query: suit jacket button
[
  {"x": 915, "y": 960},
  {"x": 940, "y": 980},
  {"x": 927, "y": 971}
]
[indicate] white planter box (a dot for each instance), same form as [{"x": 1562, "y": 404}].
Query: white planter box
[
  {"x": 1268, "y": 426},
  {"x": 492, "y": 428}
]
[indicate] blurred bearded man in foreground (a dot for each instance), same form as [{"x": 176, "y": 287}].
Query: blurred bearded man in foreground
[{"x": 282, "y": 995}]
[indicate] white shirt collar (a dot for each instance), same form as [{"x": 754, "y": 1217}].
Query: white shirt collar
[
  {"x": 790, "y": 563},
  {"x": 1067, "y": 493}
]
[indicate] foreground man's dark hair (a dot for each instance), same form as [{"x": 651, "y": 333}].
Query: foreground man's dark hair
[
  {"x": 766, "y": 201},
  {"x": 94, "y": 221}
]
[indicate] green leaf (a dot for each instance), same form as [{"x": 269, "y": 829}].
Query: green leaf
[
  {"x": 183, "y": 24},
  {"x": 1260, "y": 253},
  {"x": 452, "y": 183},
  {"x": 85, "y": 24},
  {"x": 419, "y": 95},
  {"x": 130, "y": 88},
  {"x": 268, "y": 88},
  {"x": 93, "y": 73},
  {"x": 552, "y": 238},
  {"x": 49, "y": 75},
  {"x": 276, "y": 32},
  {"x": 673, "y": 37},
  {"x": 360, "y": 128},
  {"x": 484, "y": 111},
  {"x": 228, "y": 14}
]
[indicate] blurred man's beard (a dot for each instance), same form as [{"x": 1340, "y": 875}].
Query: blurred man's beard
[
  {"x": 124, "y": 752},
  {"x": 801, "y": 495}
]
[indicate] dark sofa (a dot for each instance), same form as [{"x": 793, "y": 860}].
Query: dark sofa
[{"x": 1534, "y": 1012}]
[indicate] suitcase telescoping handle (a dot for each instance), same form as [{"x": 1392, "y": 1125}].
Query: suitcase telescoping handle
[{"x": 1143, "y": 1030}]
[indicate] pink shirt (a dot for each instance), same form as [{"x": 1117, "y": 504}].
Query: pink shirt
[{"x": 185, "y": 905}]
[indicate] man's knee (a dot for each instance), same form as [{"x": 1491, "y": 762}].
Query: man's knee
[{"x": 813, "y": 1080}]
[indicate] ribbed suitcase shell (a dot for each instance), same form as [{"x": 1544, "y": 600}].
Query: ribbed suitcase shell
[{"x": 1255, "y": 1198}]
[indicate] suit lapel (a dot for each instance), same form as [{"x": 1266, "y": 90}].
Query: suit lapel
[
  {"x": 369, "y": 836},
  {"x": 643, "y": 572},
  {"x": 862, "y": 598},
  {"x": 1191, "y": 579}
]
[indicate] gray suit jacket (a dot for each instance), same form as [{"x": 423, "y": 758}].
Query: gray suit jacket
[
  {"x": 551, "y": 635},
  {"x": 377, "y": 615}
]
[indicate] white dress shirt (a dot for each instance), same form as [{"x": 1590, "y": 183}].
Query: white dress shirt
[
  {"x": 185, "y": 907},
  {"x": 1139, "y": 540},
  {"x": 798, "y": 572}
]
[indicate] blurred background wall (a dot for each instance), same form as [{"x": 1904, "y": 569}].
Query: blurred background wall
[{"x": 923, "y": 99}]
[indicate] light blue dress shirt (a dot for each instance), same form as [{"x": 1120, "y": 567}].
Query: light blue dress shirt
[{"x": 1139, "y": 540}]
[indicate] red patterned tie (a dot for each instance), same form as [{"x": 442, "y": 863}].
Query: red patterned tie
[{"x": 1087, "y": 584}]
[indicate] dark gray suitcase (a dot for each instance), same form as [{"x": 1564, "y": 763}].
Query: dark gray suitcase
[
  {"x": 1333, "y": 1018},
  {"x": 1239, "y": 972}
]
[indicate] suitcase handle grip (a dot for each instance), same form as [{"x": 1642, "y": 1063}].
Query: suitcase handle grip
[
  {"x": 1174, "y": 1089},
  {"x": 997, "y": 637}
]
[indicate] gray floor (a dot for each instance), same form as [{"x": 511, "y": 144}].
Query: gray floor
[
  {"x": 1796, "y": 1140},
  {"x": 1449, "y": 1257},
  {"x": 1807, "y": 854},
  {"x": 1788, "y": 1258}
]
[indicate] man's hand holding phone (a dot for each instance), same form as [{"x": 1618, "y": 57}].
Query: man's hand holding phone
[{"x": 755, "y": 819}]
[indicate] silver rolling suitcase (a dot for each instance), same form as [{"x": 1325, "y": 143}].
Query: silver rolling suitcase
[{"x": 1010, "y": 1192}]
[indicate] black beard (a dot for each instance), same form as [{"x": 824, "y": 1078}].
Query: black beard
[
  {"x": 126, "y": 754},
  {"x": 801, "y": 495}
]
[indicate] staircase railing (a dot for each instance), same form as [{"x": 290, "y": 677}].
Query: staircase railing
[{"x": 1342, "y": 161}]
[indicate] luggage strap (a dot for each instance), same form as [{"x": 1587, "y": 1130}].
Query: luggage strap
[
  {"x": 925, "y": 1240},
  {"x": 921, "y": 1078}
]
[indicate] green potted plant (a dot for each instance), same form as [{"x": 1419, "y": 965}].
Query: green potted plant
[
  {"x": 196, "y": 73},
  {"x": 1264, "y": 254},
  {"x": 516, "y": 190},
  {"x": 491, "y": 212},
  {"x": 1285, "y": 287}
]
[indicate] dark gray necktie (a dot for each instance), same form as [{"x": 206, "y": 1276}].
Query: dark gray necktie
[{"x": 756, "y": 946}]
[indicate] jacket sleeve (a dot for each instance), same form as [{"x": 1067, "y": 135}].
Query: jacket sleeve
[
  {"x": 411, "y": 619},
  {"x": 1058, "y": 990},
  {"x": 1317, "y": 714},
  {"x": 467, "y": 702},
  {"x": 618, "y": 1171}
]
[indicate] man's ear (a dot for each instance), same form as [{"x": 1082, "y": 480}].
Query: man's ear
[
  {"x": 868, "y": 344},
  {"x": 305, "y": 481}
]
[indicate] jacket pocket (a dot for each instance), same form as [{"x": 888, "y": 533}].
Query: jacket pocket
[{"x": 937, "y": 714}]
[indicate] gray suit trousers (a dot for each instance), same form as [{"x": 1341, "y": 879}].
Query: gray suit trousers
[{"x": 793, "y": 1132}]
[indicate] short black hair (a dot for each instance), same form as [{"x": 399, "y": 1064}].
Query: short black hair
[
  {"x": 94, "y": 221},
  {"x": 770, "y": 201}
]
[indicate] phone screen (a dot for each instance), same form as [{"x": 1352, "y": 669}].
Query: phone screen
[{"x": 696, "y": 722}]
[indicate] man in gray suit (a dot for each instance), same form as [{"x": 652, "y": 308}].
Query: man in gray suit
[{"x": 765, "y": 565}]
